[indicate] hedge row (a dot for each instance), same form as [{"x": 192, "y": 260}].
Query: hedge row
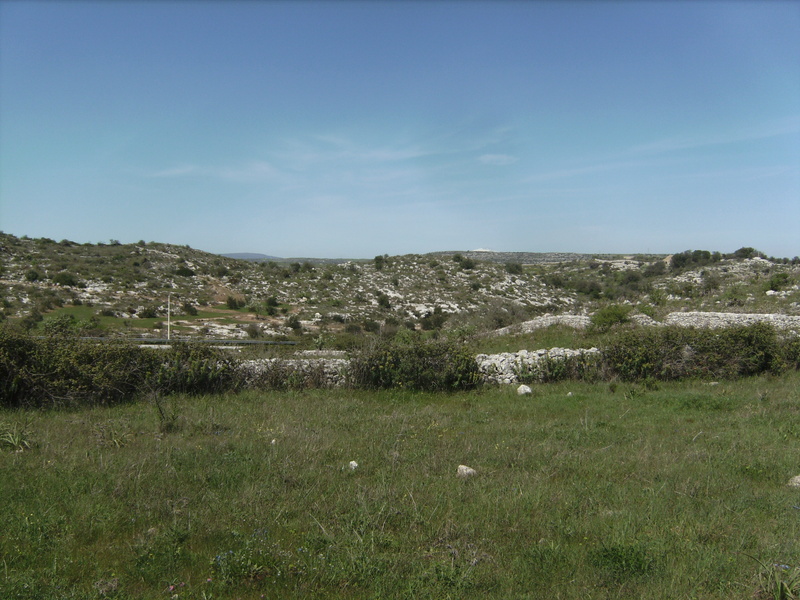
[
  {"x": 62, "y": 371},
  {"x": 66, "y": 371},
  {"x": 430, "y": 365},
  {"x": 668, "y": 353}
]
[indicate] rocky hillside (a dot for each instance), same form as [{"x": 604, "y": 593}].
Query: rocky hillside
[{"x": 125, "y": 288}]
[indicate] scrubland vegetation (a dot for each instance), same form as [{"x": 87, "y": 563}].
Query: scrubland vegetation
[
  {"x": 657, "y": 467},
  {"x": 115, "y": 289}
]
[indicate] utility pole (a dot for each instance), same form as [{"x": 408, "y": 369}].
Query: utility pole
[{"x": 169, "y": 302}]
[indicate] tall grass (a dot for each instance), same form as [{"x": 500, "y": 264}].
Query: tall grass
[{"x": 582, "y": 491}]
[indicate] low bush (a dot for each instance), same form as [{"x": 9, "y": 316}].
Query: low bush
[
  {"x": 608, "y": 316},
  {"x": 429, "y": 365},
  {"x": 63, "y": 370},
  {"x": 65, "y": 279},
  {"x": 675, "y": 353},
  {"x": 513, "y": 268}
]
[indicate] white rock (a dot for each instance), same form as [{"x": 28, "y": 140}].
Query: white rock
[
  {"x": 569, "y": 394},
  {"x": 464, "y": 471},
  {"x": 793, "y": 482},
  {"x": 524, "y": 389},
  {"x": 353, "y": 465}
]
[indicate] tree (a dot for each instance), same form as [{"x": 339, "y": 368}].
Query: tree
[
  {"x": 746, "y": 252},
  {"x": 65, "y": 279}
]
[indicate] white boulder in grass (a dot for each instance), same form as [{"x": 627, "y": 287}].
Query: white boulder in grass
[
  {"x": 524, "y": 389},
  {"x": 794, "y": 482},
  {"x": 353, "y": 465},
  {"x": 464, "y": 471}
]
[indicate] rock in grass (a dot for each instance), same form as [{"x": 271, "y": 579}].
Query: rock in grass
[
  {"x": 353, "y": 465},
  {"x": 465, "y": 472},
  {"x": 794, "y": 482},
  {"x": 524, "y": 389}
]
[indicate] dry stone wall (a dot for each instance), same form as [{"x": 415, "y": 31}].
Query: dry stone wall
[
  {"x": 503, "y": 368},
  {"x": 715, "y": 320}
]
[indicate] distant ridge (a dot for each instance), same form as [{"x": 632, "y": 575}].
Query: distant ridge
[
  {"x": 532, "y": 258},
  {"x": 250, "y": 256}
]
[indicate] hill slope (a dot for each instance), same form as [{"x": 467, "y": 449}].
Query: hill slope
[{"x": 477, "y": 291}]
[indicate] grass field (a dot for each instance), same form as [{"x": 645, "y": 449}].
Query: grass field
[{"x": 582, "y": 491}]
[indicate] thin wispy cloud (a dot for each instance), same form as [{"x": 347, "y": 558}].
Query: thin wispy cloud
[
  {"x": 498, "y": 159},
  {"x": 245, "y": 172},
  {"x": 252, "y": 171},
  {"x": 588, "y": 170},
  {"x": 179, "y": 171},
  {"x": 789, "y": 125},
  {"x": 322, "y": 149}
]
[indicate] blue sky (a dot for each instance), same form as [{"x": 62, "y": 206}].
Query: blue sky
[{"x": 351, "y": 129}]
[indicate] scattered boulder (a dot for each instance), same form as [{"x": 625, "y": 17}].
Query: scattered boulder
[
  {"x": 353, "y": 465},
  {"x": 793, "y": 482},
  {"x": 465, "y": 472},
  {"x": 524, "y": 389}
]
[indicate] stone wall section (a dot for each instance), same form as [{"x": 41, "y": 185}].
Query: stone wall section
[
  {"x": 713, "y": 320},
  {"x": 503, "y": 368}
]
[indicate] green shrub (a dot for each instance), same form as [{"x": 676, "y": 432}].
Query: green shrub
[
  {"x": 383, "y": 301},
  {"x": 371, "y": 326},
  {"x": 184, "y": 271},
  {"x": 591, "y": 288},
  {"x": 467, "y": 264},
  {"x": 747, "y": 252},
  {"x": 435, "y": 320},
  {"x": 234, "y": 303},
  {"x": 514, "y": 268},
  {"x": 194, "y": 369},
  {"x": 60, "y": 325},
  {"x": 415, "y": 364},
  {"x": 655, "y": 269},
  {"x": 148, "y": 312},
  {"x": 608, "y": 316},
  {"x": 778, "y": 281},
  {"x": 65, "y": 279},
  {"x": 674, "y": 353},
  {"x": 64, "y": 370}
]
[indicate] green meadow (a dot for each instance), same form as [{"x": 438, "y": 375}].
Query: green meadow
[{"x": 668, "y": 490}]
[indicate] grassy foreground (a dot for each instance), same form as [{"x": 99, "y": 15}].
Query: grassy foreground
[{"x": 582, "y": 491}]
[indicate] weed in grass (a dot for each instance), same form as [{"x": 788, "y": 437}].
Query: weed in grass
[
  {"x": 15, "y": 437},
  {"x": 167, "y": 418},
  {"x": 112, "y": 433},
  {"x": 777, "y": 581}
]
